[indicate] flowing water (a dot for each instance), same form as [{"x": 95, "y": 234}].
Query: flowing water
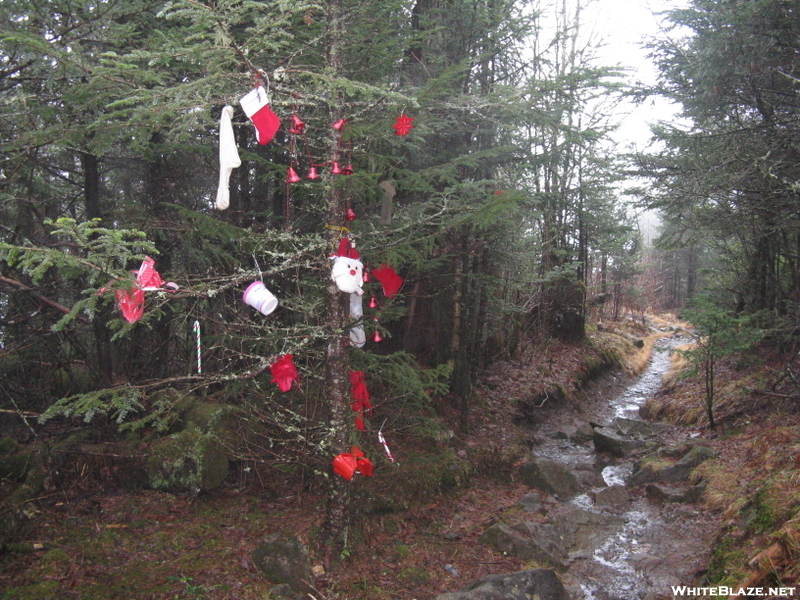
[{"x": 646, "y": 547}]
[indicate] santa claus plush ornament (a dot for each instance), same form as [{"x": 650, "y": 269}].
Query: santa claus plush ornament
[{"x": 348, "y": 270}]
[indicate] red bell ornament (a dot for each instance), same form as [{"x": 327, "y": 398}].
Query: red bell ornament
[
  {"x": 339, "y": 125},
  {"x": 336, "y": 169},
  {"x": 312, "y": 173},
  {"x": 373, "y": 302},
  {"x": 297, "y": 125},
  {"x": 348, "y": 170},
  {"x": 377, "y": 337},
  {"x": 350, "y": 215},
  {"x": 292, "y": 176}
]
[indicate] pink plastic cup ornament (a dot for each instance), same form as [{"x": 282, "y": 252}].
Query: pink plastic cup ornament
[{"x": 259, "y": 297}]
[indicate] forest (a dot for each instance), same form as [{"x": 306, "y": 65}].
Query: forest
[{"x": 245, "y": 242}]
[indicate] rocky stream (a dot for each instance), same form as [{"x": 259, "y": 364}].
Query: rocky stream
[{"x": 604, "y": 519}]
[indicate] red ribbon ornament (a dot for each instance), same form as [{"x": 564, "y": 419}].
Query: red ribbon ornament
[
  {"x": 284, "y": 373},
  {"x": 348, "y": 464},
  {"x": 131, "y": 301},
  {"x": 361, "y": 404}
]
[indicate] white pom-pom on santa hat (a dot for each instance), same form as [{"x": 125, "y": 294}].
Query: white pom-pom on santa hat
[{"x": 348, "y": 270}]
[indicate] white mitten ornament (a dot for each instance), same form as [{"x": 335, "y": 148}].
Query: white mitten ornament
[
  {"x": 348, "y": 271},
  {"x": 228, "y": 157}
]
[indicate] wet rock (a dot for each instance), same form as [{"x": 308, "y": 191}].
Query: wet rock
[
  {"x": 549, "y": 476},
  {"x": 608, "y": 440},
  {"x": 537, "y": 546},
  {"x": 635, "y": 428},
  {"x": 674, "y": 493},
  {"x": 581, "y": 529},
  {"x": 542, "y": 584},
  {"x": 614, "y": 496},
  {"x": 284, "y": 560},
  {"x": 672, "y": 472},
  {"x": 532, "y": 503},
  {"x": 588, "y": 476}
]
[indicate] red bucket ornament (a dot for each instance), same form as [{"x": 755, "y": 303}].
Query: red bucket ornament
[
  {"x": 348, "y": 464},
  {"x": 284, "y": 373}
]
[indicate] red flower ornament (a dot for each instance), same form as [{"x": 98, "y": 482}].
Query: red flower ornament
[{"x": 403, "y": 125}]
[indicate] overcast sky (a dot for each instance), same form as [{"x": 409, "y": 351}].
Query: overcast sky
[{"x": 624, "y": 26}]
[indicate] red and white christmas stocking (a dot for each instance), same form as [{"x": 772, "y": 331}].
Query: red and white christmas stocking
[{"x": 255, "y": 105}]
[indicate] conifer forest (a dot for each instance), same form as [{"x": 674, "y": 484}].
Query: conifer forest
[{"x": 262, "y": 244}]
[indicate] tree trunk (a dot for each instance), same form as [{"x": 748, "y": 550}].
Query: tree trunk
[{"x": 337, "y": 514}]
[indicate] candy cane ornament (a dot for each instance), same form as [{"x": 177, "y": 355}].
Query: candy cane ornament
[
  {"x": 382, "y": 440},
  {"x": 196, "y": 329}
]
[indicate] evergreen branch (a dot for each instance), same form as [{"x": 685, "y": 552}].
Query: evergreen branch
[{"x": 44, "y": 299}]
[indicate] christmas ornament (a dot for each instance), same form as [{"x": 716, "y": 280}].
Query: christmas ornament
[
  {"x": 228, "y": 157},
  {"x": 350, "y": 215},
  {"x": 348, "y": 170},
  {"x": 131, "y": 301},
  {"x": 255, "y": 105},
  {"x": 357, "y": 335},
  {"x": 403, "y": 125},
  {"x": 373, "y": 302},
  {"x": 339, "y": 125},
  {"x": 361, "y": 404},
  {"x": 196, "y": 329},
  {"x": 284, "y": 372},
  {"x": 382, "y": 440},
  {"x": 377, "y": 337},
  {"x": 335, "y": 168},
  {"x": 390, "y": 280},
  {"x": 297, "y": 125},
  {"x": 348, "y": 464},
  {"x": 259, "y": 297},
  {"x": 347, "y": 271},
  {"x": 292, "y": 176},
  {"x": 312, "y": 173}
]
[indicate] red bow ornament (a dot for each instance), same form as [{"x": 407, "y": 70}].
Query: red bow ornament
[
  {"x": 390, "y": 280},
  {"x": 284, "y": 373},
  {"x": 361, "y": 404},
  {"x": 348, "y": 464}
]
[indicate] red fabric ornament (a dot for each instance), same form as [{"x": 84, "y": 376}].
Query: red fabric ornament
[
  {"x": 403, "y": 125},
  {"x": 390, "y": 280},
  {"x": 132, "y": 303},
  {"x": 361, "y": 404},
  {"x": 348, "y": 464},
  {"x": 284, "y": 373}
]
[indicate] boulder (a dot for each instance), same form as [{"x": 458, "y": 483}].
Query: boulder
[
  {"x": 542, "y": 584},
  {"x": 188, "y": 461},
  {"x": 579, "y": 529},
  {"x": 550, "y": 476},
  {"x": 608, "y": 440},
  {"x": 665, "y": 492},
  {"x": 672, "y": 472},
  {"x": 526, "y": 541},
  {"x": 614, "y": 496},
  {"x": 284, "y": 560},
  {"x": 532, "y": 503}
]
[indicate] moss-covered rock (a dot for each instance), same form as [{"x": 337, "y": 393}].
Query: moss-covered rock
[
  {"x": 188, "y": 461},
  {"x": 284, "y": 560}
]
